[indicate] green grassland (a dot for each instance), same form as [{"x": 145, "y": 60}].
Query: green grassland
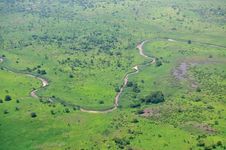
[{"x": 85, "y": 48}]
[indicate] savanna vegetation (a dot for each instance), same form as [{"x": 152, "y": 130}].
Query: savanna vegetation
[{"x": 63, "y": 60}]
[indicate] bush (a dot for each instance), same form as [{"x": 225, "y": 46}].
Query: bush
[
  {"x": 8, "y": 98},
  {"x": 189, "y": 42},
  {"x": 1, "y": 101},
  {"x": 158, "y": 63},
  {"x": 198, "y": 89},
  {"x": 41, "y": 72},
  {"x": 6, "y": 112},
  {"x": 101, "y": 102},
  {"x": 155, "y": 97},
  {"x": 33, "y": 115},
  {"x": 67, "y": 110},
  {"x": 129, "y": 84},
  {"x": 71, "y": 76},
  {"x": 117, "y": 89},
  {"x": 17, "y": 108},
  {"x": 136, "y": 88},
  {"x": 135, "y": 105}
]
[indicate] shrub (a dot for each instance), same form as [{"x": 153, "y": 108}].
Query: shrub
[
  {"x": 198, "y": 89},
  {"x": 101, "y": 102},
  {"x": 121, "y": 143},
  {"x": 71, "y": 76},
  {"x": 17, "y": 108},
  {"x": 67, "y": 110},
  {"x": 8, "y": 98},
  {"x": 117, "y": 89},
  {"x": 135, "y": 105},
  {"x": 129, "y": 84},
  {"x": 5, "y": 111},
  {"x": 33, "y": 115},
  {"x": 158, "y": 63},
  {"x": 41, "y": 72},
  {"x": 136, "y": 88},
  {"x": 189, "y": 42},
  {"x": 155, "y": 97},
  {"x": 219, "y": 143},
  {"x": 1, "y": 101}
]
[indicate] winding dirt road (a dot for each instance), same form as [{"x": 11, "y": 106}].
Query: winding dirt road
[
  {"x": 126, "y": 78},
  {"x": 117, "y": 97}
]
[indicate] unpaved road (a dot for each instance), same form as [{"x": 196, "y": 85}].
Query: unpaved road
[
  {"x": 117, "y": 97},
  {"x": 126, "y": 78}
]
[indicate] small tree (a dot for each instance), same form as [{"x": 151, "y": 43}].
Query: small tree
[
  {"x": 189, "y": 42},
  {"x": 33, "y": 115},
  {"x": 158, "y": 63},
  {"x": 155, "y": 97},
  {"x": 8, "y": 98}
]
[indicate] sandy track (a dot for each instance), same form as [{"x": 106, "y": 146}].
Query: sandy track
[
  {"x": 126, "y": 78},
  {"x": 117, "y": 97}
]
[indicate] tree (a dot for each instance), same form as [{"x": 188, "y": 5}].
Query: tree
[
  {"x": 155, "y": 97},
  {"x": 130, "y": 84},
  {"x": 8, "y": 98},
  {"x": 158, "y": 63},
  {"x": 189, "y": 42},
  {"x": 33, "y": 115}
]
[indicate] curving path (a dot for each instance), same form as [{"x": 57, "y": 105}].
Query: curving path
[
  {"x": 126, "y": 78},
  {"x": 117, "y": 97}
]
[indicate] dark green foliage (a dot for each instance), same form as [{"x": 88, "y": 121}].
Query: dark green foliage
[
  {"x": 198, "y": 89},
  {"x": 189, "y": 42},
  {"x": 33, "y": 115},
  {"x": 135, "y": 105},
  {"x": 136, "y": 88},
  {"x": 41, "y": 72},
  {"x": 5, "y": 111},
  {"x": 117, "y": 89},
  {"x": 8, "y": 98},
  {"x": 101, "y": 102},
  {"x": 67, "y": 110},
  {"x": 1, "y": 101},
  {"x": 130, "y": 84},
  {"x": 155, "y": 97},
  {"x": 158, "y": 63},
  {"x": 121, "y": 143},
  {"x": 71, "y": 76}
]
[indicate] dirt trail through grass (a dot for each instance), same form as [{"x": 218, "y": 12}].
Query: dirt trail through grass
[
  {"x": 126, "y": 78},
  {"x": 117, "y": 97}
]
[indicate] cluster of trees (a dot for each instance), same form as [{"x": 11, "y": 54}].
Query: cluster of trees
[
  {"x": 154, "y": 98},
  {"x": 7, "y": 98},
  {"x": 201, "y": 143},
  {"x": 134, "y": 86},
  {"x": 37, "y": 69}
]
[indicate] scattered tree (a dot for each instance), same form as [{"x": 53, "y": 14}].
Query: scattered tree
[
  {"x": 155, "y": 97},
  {"x": 8, "y": 98},
  {"x": 33, "y": 115}
]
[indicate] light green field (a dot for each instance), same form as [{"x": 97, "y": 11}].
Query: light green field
[{"x": 86, "y": 48}]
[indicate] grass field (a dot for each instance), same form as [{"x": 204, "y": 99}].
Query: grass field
[{"x": 85, "y": 48}]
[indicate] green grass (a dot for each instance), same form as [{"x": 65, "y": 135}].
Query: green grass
[{"x": 86, "y": 48}]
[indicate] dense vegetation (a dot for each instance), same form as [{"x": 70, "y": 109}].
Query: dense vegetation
[{"x": 84, "y": 49}]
